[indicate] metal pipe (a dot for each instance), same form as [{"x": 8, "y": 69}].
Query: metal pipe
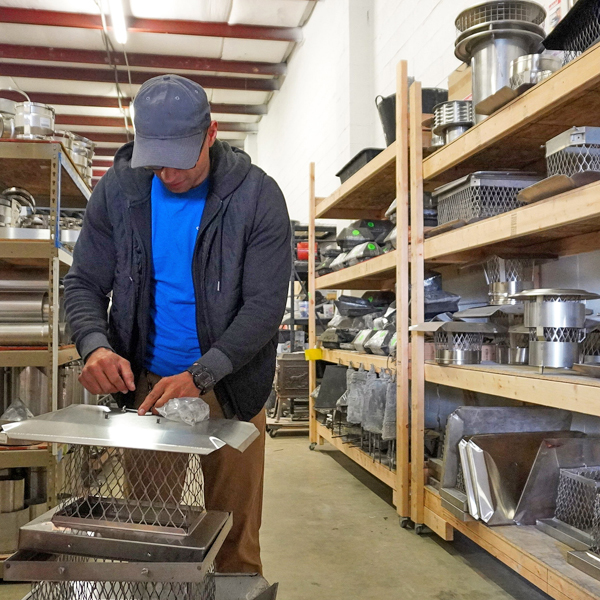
[{"x": 23, "y": 307}]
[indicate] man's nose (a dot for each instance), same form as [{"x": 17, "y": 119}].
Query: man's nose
[{"x": 168, "y": 175}]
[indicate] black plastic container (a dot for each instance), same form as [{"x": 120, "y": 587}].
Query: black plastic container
[
  {"x": 387, "y": 109},
  {"x": 357, "y": 163}
]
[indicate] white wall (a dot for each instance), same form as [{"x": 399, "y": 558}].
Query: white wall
[{"x": 325, "y": 111}]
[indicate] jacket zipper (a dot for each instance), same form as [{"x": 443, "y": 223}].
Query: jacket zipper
[{"x": 200, "y": 254}]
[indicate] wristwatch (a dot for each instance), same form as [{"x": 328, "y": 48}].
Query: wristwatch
[{"x": 203, "y": 378}]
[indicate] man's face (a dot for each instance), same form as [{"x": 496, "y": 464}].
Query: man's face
[{"x": 179, "y": 181}]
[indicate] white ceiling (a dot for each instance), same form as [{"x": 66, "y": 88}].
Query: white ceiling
[{"x": 270, "y": 48}]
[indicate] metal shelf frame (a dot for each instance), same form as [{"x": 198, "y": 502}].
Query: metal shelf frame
[{"x": 44, "y": 169}]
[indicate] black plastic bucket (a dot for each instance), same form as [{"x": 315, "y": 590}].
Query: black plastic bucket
[
  {"x": 387, "y": 109},
  {"x": 387, "y": 113}
]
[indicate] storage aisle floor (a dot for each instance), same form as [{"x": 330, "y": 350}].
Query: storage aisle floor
[{"x": 330, "y": 533}]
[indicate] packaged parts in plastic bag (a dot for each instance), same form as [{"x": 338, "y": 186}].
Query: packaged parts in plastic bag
[
  {"x": 375, "y": 399},
  {"x": 356, "y": 396},
  {"x": 186, "y": 410},
  {"x": 16, "y": 411},
  {"x": 388, "y": 431}
]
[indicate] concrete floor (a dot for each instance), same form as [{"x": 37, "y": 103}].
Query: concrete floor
[{"x": 331, "y": 533}]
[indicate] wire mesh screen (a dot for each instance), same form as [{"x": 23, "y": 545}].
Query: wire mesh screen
[
  {"x": 577, "y": 497},
  {"x": 584, "y": 33},
  {"x": 574, "y": 159},
  {"x": 477, "y": 202},
  {"x": 500, "y": 11},
  {"x": 450, "y": 340},
  {"x": 132, "y": 487},
  {"x": 460, "y": 479},
  {"x": 591, "y": 344},
  {"x": 498, "y": 269},
  {"x": 557, "y": 334},
  {"x": 123, "y": 590}
]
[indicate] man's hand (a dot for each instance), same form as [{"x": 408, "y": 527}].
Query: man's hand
[
  {"x": 177, "y": 386},
  {"x": 106, "y": 372}
]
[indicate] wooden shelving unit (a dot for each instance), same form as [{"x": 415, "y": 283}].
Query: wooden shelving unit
[
  {"x": 378, "y": 273},
  {"x": 368, "y": 194},
  {"x": 563, "y": 225}
]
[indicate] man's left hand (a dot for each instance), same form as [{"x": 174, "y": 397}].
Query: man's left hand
[{"x": 177, "y": 386}]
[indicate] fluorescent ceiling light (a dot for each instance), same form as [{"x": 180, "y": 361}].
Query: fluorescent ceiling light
[{"x": 117, "y": 17}]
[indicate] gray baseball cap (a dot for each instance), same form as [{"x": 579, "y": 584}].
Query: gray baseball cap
[{"x": 171, "y": 116}]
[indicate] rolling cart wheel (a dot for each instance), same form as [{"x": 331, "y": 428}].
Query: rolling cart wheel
[
  {"x": 404, "y": 521},
  {"x": 419, "y": 529},
  {"x": 272, "y": 432},
  {"x": 312, "y": 446}
]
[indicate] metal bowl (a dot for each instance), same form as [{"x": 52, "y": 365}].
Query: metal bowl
[{"x": 531, "y": 69}]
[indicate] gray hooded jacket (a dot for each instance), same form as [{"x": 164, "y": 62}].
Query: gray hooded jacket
[{"x": 241, "y": 270}]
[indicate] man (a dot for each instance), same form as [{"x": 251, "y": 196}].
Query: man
[{"x": 193, "y": 242}]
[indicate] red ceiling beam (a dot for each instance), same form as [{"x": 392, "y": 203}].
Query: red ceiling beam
[
  {"x": 102, "y": 163},
  {"x": 112, "y": 102},
  {"x": 24, "y": 16},
  {"x": 118, "y": 122},
  {"x": 153, "y": 61},
  {"x": 104, "y": 152},
  {"x": 137, "y": 77}
]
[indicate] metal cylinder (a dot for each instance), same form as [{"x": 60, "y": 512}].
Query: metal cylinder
[
  {"x": 555, "y": 314},
  {"x": 557, "y": 355},
  {"x": 28, "y": 334},
  {"x": 33, "y": 390},
  {"x": 34, "y": 119},
  {"x": 531, "y": 69},
  {"x": 500, "y": 291},
  {"x": 451, "y": 119},
  {"x": 23, "y": 307},
  {"x": 491, "y": 36},
  {"x": 23, "y": 281}
]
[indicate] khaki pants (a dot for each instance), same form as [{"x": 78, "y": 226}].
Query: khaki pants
[{"x": 233, "y": 482}]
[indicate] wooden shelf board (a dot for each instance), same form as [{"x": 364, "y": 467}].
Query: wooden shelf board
[
  {"x": 512, "y": 138},
  {"x": 375, "y": 273},
  {"x": 358, "y": 456},
  {"x": 24, "y": 458},
  {"x": 522, "y": 383},
  {"x": 537, "y": 557},
  {"x": 345, "y": 357},
  {"x": 368, "y": 193},
  {"x": 36, "y": 358},
  {"x": 565, "y": 224},
  {"x": 32, "y": 252}
]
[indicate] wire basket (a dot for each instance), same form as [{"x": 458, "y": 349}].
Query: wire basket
[
  {"x": 122, "y": 590},
  {"x": 574, "y": 159},
  {"x": 126, "y": 488},
  {"x": 498, "y": 269},
  {"x": 451, "y": 340},
  {"x": 590, "y": 347},
  {"x": 577, "y": 501},
  {"x": 580, "y": 30},
  {"x": 502, "y": 10}
]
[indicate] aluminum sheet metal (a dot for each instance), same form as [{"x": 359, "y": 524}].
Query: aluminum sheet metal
[{"x": 102, "y": 426}]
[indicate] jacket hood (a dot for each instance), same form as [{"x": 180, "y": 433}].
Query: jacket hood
[{"x": 228, "y": 169}]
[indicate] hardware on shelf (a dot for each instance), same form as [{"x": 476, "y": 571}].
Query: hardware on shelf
[
  {"x": 578, "y": 31},
  {"x": 491, "y": 35},
  {"x": 556, "y": 322},
  {"x": 527, "y": 71},
  {"x": 576, "y": 150},
  {"x": 451, "y": 119},
  {"x": 481, "y": 195}
]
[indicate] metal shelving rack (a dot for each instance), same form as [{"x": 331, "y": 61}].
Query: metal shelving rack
[
  {"x": 46, "y": 171},
  {"x": 566, "y": 224},
  {"x": 368, "y": 194}
]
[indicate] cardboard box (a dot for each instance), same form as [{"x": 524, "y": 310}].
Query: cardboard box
[{"x": 459, "y": 84}]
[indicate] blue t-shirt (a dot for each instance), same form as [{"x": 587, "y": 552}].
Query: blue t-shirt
[{"x": 173, "y": 344}]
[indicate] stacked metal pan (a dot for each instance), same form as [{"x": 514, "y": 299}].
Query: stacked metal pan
[{"x": 493, "y": 34}]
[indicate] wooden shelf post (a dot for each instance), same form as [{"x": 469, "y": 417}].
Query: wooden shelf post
[
  {"x": 402, "y": 310},
  {"x": 312, "y": 321}
]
